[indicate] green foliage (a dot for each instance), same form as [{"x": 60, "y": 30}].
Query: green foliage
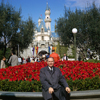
[
  {"x": 88, "y": 24},
  {"x": 92, "y": 60},
  {"x": 9, "y": 23},
  {"x": 13, "y": 30},
  {"x": 8, "y": 53},
  {"x": 87, "y": 84},
  {"x": 21, "y": 86},
  {"x": 61, "y": 49},
  {"x": 25, "y": 86},
  {"x": 26, "y": 33},
  {"x": 35, "y": 86},
  {"x": 1, "y": 54}
]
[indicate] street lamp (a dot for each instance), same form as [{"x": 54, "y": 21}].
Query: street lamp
[
  {"x": 74, "y": 31},
  {"x": 18, "y": 50}
]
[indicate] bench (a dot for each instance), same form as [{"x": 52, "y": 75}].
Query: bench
[{"x": 75, "y": 95}]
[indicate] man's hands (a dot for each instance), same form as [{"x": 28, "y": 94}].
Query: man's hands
[
  {"x": 67, "y": 89},
  {"x": 51, "y": 90}
]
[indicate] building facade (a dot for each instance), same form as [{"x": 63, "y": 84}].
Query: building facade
[{"x": 43, "y": 38}]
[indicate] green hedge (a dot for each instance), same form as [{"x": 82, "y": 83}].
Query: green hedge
[
  {"x": 21, "y": 86},
  {"x": 87, "y": 84},
  {"x": 35, "y": 86},
  {"x": 92, "y": 60}
]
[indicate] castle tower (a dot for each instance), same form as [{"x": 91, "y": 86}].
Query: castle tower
[
  {"x": 39, "y": 21},
  {"x": 47, "y": 18}
]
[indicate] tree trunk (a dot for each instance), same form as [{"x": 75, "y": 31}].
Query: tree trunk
[{"x": 5, "y": 45}]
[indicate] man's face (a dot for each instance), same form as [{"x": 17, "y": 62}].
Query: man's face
[
  {"x": 64, "y": 54},
  {"x": 50, "y": 62}
]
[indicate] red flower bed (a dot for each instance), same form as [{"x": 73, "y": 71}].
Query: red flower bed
[{"x": 70, "y": 69}]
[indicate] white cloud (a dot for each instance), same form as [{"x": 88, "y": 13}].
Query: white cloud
[{"x": 81, "y": 3}]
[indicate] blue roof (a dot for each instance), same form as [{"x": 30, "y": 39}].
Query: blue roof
[
  {"x": 40, "y": 18},
  {"x": 47, "y": 7},
  {"x": 55, "y": 35},
  {"x": 42, "y": 25}
]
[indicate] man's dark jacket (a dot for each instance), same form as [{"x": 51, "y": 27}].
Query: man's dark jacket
[{"x": 53, "y": 79}]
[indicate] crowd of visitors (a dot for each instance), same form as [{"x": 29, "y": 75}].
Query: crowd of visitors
[
  {"x": 14, "y": 60},
  {"x": 38, "y": 58}
]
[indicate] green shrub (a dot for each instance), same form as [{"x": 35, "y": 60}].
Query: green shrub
[
  {"x": 92, "y": 60},
  {"x": 21, "y": 86},
  {"x": 35, "y": 86},
  {"x": 87, "y": 84}
]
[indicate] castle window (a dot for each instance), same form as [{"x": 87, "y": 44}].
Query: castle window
[
  {"x": 47, "y": 17},
  {"x": 42, "y": 30},
  {"x": 42, "y": 38}
]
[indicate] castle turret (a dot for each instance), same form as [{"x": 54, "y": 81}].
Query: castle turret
[
  {"x": 39, "y": 21},
  {"x": 47, "y": 18}
]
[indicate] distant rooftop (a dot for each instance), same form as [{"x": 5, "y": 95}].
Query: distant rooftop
[{"x": 42, "y": 25}]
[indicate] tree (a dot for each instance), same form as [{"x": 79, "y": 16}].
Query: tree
[
  {"x": 88, "y": 24},
  {"x": 26, "y": 34},
  {"x": 93, "y": 16},
  {"x": 13, "y": 30},
  {"x": 66, "y": 23},
  {"x": 9, "y": 23}
]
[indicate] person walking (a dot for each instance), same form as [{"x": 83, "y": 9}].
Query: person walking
[
  {"x": 13, "y": 60},
  {"x": 3, "y": 62},
  {"x": 55, "y": 56},
  {"x": 51, "y": 79}
]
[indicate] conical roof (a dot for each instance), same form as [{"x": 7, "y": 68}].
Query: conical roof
[{"x": 47, "y": 7}]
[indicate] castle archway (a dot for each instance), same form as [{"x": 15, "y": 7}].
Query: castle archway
[{"x": 42, "y": 52}]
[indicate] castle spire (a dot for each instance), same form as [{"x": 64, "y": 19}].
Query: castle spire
[
  {"x": 47, "y": 7},
  {"x": 47, "y": 17}
]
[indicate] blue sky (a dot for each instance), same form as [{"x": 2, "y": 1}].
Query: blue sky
[{"x": 36, "y": 8}]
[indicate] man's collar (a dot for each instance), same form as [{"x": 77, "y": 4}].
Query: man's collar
[{"x": 51, "y": 68}]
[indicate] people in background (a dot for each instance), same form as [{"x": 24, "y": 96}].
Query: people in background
[
  {"x": 13, "y": 59},
  {"x": 3, "y": 62},
  {"x": 28, "y": 59},
  {"x": 65, "y": 57},
  {"x": 55, "y": 56},
  {"x": 48, "y": 55},
  {"x": 79, "y": 58},
  {"x": 32, "y": 60}
]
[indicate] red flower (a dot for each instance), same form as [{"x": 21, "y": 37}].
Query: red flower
[{"x": 70, "y": 69}]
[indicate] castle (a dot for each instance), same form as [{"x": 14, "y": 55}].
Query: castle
[{"x": 44, "y": 39}]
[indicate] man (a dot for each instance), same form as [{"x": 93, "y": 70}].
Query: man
[
  {"x": 51, "y": 79},
  {"x": 55, "y": 56},
  {"x": 65, "y": 57},
  {"x": 13, "y": 60},
  {"x": 28, "y": 59}
]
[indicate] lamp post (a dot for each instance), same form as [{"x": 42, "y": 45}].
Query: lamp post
[
  {"x": 74, "y": 31},
  {"x": 18, "y": 50}
]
